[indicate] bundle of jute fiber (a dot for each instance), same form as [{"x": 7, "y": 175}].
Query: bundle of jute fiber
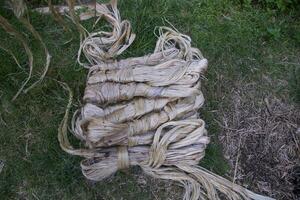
[{"x": 143, "y": 111}]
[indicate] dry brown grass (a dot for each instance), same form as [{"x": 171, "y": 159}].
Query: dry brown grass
[{"x": 261, "y": 138}]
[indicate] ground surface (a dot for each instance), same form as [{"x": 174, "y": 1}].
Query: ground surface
[{"x": 251, "y": 90}]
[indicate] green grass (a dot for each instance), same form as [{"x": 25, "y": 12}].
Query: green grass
[{"x": 241, "y": 44}]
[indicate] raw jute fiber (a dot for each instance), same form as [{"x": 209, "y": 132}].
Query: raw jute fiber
[
  {"x": 143, "y": 111},
  {"x": 19, "y": 9}
]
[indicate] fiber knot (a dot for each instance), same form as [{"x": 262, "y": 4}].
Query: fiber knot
[{"x": 123, "y": 158}]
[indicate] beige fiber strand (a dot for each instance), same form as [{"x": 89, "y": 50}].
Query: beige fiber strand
[
  {"x": 19, "y": 9},
  {"x": 12, "y": 31}
]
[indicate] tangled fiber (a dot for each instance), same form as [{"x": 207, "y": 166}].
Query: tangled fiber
[
  {"x": 143, "y": 111},
  {"x": 12, "y": 31},
  {"x": 20, "y": 10}
]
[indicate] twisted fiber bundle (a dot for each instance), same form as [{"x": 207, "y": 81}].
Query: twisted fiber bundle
[
  {"x": 101, "y": 132},
  {"x": 113, "y": 92},
  {"x": 143, "y": 111},
  {"x": 174, "y": 71}
]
